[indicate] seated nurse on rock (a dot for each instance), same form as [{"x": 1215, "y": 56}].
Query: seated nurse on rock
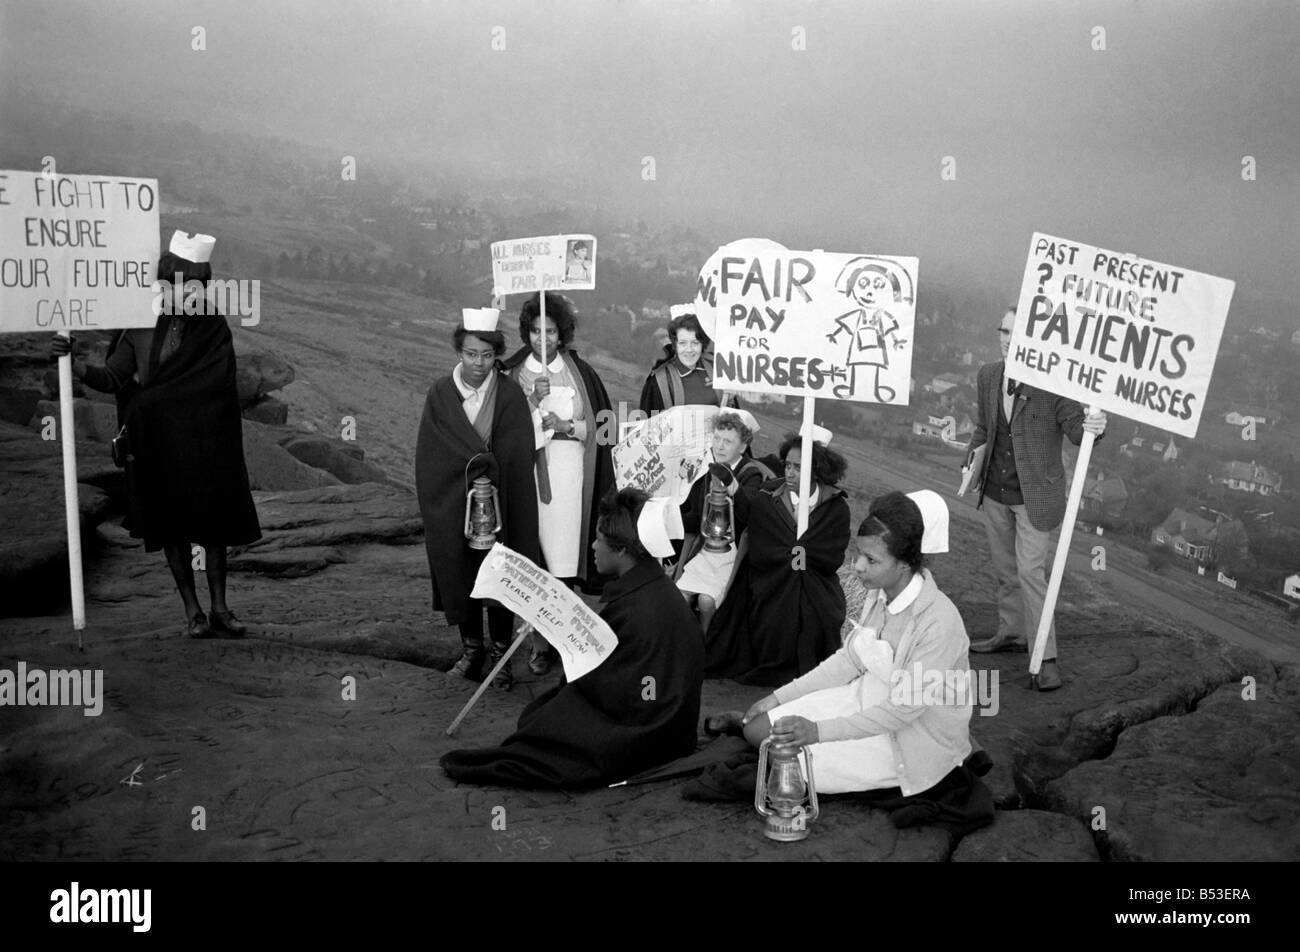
[
  {"x": 640, "y": 706},
  {"x": 862, "y": 711}
]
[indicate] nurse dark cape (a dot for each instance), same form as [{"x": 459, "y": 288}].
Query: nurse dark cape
[
  {"x": 446, "y": 443},
  {"x": 187, "y": 481},
  {"x": 778, "y": 623},
  {"x": 612, "y": 722}
]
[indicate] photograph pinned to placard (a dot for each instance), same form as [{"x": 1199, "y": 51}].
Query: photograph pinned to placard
[{"x": 544, "y": 263}]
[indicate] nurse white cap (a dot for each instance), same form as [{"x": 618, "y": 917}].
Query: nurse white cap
[
  {"x": 194, "y": 248},
  {"x": 480, "y": 318},
  {"x": 658, "y": 524},
  {"x": 934, "y": 513}
]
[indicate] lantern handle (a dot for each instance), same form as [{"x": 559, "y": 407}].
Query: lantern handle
[
  {"x": 760, "y": 785},
  {"x": 812, "y": 786},
  {"x": 468, "y": 487}
]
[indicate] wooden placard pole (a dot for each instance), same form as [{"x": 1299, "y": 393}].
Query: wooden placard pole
[
  {"x": 1062, "y": 548},
  {"x": 541, "y": 330},
  {"x": 68, "y": 428},
  {"x": 488, "y": 679},
  {"x": 805, "y": 464}
]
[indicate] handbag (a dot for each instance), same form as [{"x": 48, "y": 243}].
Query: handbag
[{"x": 121, "y": 448}]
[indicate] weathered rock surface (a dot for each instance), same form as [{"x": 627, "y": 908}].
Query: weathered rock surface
[
  {"x": 271, "y": 467},
  {"x": 1112, "y": 683},
  {"x": 267, "y": 410},
  {"x": 258, "y": 374},
  {"x": 1219, "y": 782},
  {"x": 339, "y": 458},
  {"x": 33, "y": 545},
  {"x": 1028, "y": 836},
  {"x": 360, "y": 779},
  {"x": 287, "y": 563},
  {"x": 18, "y": 404},
  {"x": 337, "y": 515},
  {"x": 94, "y": 420}
]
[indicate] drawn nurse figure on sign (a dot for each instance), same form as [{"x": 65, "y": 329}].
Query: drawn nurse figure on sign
[{"x": 872, "y": 284}]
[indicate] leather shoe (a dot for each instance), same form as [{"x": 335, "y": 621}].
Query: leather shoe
[
  {"x": 998, "y": 643},
  {"x": 539, "y": 662},
  {"x": 505, "y": 679},
  {"x": 1048, "y": 677},
  {"x": 199, "y": 627},
  {"x": 470, "y": 663},
  {"x": 225, "y": 623}
]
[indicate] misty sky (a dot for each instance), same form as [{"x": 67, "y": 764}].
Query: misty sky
[{"x": 839, "y": 146}]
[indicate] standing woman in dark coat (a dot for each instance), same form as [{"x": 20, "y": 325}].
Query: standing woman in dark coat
[
  {"x": 186, "y": 477},
  {"x": 574, "y": 468},
  {"x": 683, "y": 375},
  {"x": 783, "y": 614},
  {"x": 476, "y": 423}
]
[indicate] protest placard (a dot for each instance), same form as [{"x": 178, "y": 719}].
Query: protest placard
[
  {"x": 814, "y": 323},
  {"x": 666, "y": 453},
  {"x": 563, "y": 619},
  {"x": 547, "y": 263},
  {"x": 1124, "y": 334},
  {"x": 706, "y": 285},
  {"x": 77, "y": 252}
]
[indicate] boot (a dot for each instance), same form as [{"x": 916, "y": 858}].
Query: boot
[
  {"x": 541, "y": 655},
  {"x": 470, "y": 664},
  {"x": 505, "y": 679}
]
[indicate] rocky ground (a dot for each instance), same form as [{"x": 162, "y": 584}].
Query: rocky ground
[{"x": 1164, "y": 744}]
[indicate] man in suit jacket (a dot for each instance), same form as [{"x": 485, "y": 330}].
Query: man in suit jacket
[{"x": 1021, "y": 484}]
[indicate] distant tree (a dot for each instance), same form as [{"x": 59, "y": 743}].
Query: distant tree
[
  {"x": 348, "y": 268},
  {"x": 314, "y": 263},
  {"x": 1159, "y": 559},
  {"x": 1232, "y": 549}
]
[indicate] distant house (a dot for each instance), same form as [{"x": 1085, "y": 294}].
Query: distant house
[
  {"x": 945, "y": 382},
  {"x": 1188, "y": 534},
  {"x": 937, "y": 425},
  {"x": 1103, "y": 497},
  {"x": 929, "y": 426},
  {"x": 1241, "y": 414},
  {"x": 1249, "y": 477},
  {"x": 653, "y": 309},
  {"x": 1148, "y": 442},
  {"x": 1291, "y": 587}
]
